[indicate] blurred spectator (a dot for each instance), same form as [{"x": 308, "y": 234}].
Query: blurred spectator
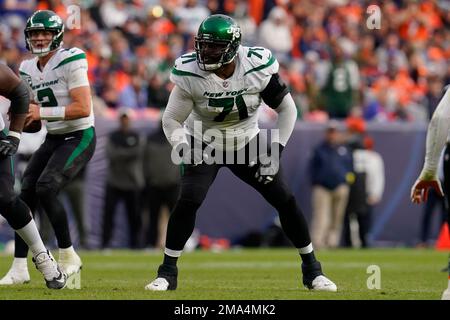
[
  {"x": 124, "y": 179},
  {"x": 330, "y": 167},
  {"x": 275, "y": 34},
  {"x": 134, "y": 95},
  {"x": 162, "y": 179},
  {"x": 340, "y": 83},
  {"x": 390, "y": 67},
  {"x": 368, "y": 185}
]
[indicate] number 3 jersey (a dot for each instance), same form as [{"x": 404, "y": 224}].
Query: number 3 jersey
[
  {"x": 50, "y": 87},
  {"x": 228, "y": 105}
]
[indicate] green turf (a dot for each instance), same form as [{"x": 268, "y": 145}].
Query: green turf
[{"x": 246, "y": 274}]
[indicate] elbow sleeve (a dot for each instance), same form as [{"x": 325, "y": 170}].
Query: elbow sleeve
[
  {"x": 20, "y": 99},
  {"x": 274, "y": 92}
]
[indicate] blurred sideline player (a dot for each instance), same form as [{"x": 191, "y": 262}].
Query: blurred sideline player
[
  {"x": 12, "y": 207},
  {"x": 61, "y": 97},
  {"x": 220, "y": 87},
  {"x": 437, "y": 133}
]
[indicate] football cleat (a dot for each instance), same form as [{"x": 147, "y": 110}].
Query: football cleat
[
  {"x": 54, "y": 277},
  {"x": 314, "y": 279},
  {"x": 70, "y": 263},
  {"x": 322, "y": 283},
  {"x": 15, "y": 276},
  {"x": 166, "y": 280}
]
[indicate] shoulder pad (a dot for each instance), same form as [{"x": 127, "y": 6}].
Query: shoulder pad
[{"x": 259, "y": 59}]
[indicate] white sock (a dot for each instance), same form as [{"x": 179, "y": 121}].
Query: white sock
[
  {"x": 30, "y": 235},
  {"x": 20, "y": 263},
  {"x": 306, "y": 250}
]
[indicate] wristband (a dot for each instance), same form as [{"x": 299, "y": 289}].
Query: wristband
[
  {"x": 52, "y": 113},
  {"x": 14, "y": 134}
]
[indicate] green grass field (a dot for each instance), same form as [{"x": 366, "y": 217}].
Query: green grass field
[{"x": 265, "y": 274}]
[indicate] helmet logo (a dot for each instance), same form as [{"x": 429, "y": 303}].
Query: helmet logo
[
  {"x": 236, "y": 31},
  {"x": 56, "y": 19}
]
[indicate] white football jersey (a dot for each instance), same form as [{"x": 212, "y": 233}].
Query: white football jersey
[
  {"x": 50, "y": 87},
  {"x": 231, "y": 105}
]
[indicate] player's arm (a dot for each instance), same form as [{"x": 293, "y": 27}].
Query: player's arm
[
  {"x": 178, "y": 108},
  {"x": 80, "y": 94},
  {"x": 437, "y": 133},
  {"x": 17, "y": 92},
  {"x": 276, "y": 95}
]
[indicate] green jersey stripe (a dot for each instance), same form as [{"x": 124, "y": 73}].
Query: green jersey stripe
[
  {"x": 86, "y": 139},
  {"x": 185, "y": 73},
  {"x": 268, "y": 64},
  {"x": 71, "y": 59},
  {"x": 24, "y": 73}
]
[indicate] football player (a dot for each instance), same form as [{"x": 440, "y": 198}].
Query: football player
[
  {"x": 12, "y": 207},
  {"x": 61, "y": 95},
  {"x": 437, "y": 133},
  {"x": 218, "y": 90}
]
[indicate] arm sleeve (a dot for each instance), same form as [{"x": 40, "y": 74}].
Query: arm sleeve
[
  {"x": 287, "y": 116},
  {"x": 437, "y": 133},
  {"x": 178, "y": 108},
  {"x": 20, "y": 99}
]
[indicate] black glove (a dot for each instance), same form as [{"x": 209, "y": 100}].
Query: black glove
[
  {"x": 8, "y": 146},
  {"x": 267, "y": 165}
]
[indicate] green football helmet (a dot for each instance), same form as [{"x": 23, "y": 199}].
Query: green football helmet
[
  {"x": 45, "y": 20},
  {"x": 217, "y": 42}
]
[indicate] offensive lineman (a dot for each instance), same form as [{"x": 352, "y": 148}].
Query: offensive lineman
[
  {"x": 219, "y": 88},
  {"x": 12, "y": 207}
]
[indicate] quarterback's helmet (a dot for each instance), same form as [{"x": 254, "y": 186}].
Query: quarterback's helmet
[
  {"x": 217, "y": 42},
  {"x": 44, "y": 20}
]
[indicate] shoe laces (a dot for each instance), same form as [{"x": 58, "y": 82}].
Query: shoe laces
[{"x": 46, "y": 265}]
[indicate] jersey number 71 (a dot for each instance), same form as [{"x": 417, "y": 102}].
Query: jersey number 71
[{"x": 227, "y": 104}]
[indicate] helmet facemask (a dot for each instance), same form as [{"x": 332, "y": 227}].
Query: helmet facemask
[
  {"x": 41, "y": 52},
  {"x": 213, "y": 54}
]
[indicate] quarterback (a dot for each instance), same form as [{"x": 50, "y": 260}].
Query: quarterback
[
  {"x": 221, "y": 86},
  {"x": 57, "y": 78}
]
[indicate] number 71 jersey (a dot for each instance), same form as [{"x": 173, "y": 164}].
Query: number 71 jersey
[
  {"x": 230, "y": 105},
  {"x": 50, "y": 87}
]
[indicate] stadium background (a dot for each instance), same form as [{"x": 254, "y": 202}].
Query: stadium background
[{"x": 137, "y": 41}]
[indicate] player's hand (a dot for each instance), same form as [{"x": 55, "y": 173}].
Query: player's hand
[
  {"x": 419, "y": 191},
  {"x": 33, "y": 114},
  {"x": 9, "y": 146},
  {"x": 268, "y": 166}
]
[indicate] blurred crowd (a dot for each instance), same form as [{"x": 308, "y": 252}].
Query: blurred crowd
[{"x": 335, "y": 64}]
